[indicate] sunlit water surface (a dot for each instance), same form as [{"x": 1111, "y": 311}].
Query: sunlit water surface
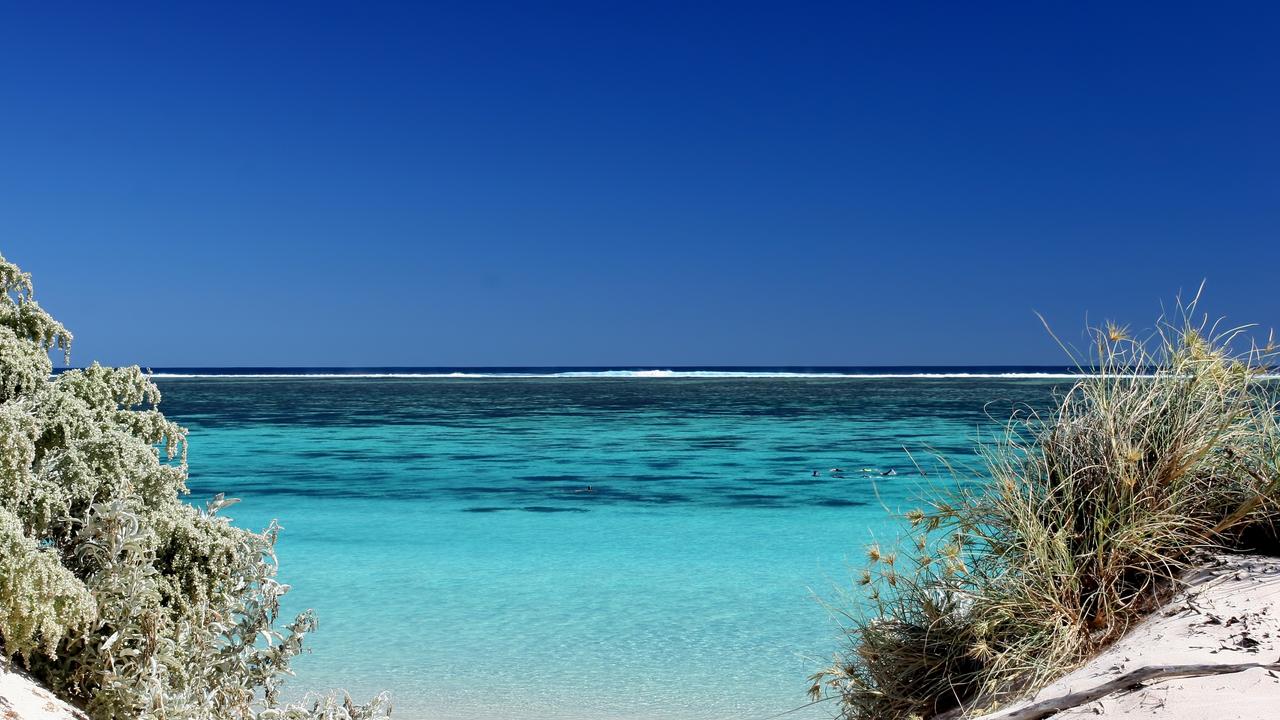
[{"x": 442, "y": 530}]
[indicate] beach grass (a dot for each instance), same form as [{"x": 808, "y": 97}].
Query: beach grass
[{"x": 1165, "y": 448}]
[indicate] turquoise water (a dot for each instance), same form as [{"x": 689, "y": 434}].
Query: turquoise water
[{"x": 442, "y": 529}]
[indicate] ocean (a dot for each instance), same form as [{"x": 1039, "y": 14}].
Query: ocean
[{"x": 577, "y": 543}]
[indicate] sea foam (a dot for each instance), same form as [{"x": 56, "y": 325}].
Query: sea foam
[{"x": 627, "y": 374}]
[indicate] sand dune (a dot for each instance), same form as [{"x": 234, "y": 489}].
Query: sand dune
[
  {"x": 1226, "y": 620},
  {"x": 22, "y": 698}
]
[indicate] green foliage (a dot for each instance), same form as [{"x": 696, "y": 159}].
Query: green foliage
[
  {"x": 121, "y": 597},
  {"x": 40, "y": 600},
  {"x": 1169, "y": 447}
]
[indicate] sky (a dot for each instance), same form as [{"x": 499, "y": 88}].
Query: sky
[{"x": 645, "y": 184}]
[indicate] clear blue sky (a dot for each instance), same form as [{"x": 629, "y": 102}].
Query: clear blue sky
[{"x": 478, "y": 183}]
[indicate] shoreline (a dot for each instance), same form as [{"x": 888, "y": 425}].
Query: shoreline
[{"x": 1224, "y": 618}]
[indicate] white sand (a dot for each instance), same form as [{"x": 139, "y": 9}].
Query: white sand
[
  {"x": 1229, "y": 615},
  {"x": 22, "y": 698}
]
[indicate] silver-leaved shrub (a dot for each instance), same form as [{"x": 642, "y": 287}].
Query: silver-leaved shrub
[{"x": 121, "y": 597}]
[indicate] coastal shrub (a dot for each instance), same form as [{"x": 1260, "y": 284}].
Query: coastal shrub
[
  {"x": 1166, "y": 447},
  {"x": 118, "y": 595}
]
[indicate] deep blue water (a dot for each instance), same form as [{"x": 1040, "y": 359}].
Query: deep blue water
[
  {"x": 442, "y": 527},
  {"x": 542, "y": 370}
]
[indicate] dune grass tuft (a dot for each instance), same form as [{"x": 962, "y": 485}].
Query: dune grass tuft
[{"x": 1165, "y": 448}]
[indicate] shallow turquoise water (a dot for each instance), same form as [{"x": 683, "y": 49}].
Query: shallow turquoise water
[{"x": 441, "y": 528}]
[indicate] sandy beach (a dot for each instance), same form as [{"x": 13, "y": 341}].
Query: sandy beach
[
  {"x": 1227, "y": 616},
  {"x": 22, "y": 698}
]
